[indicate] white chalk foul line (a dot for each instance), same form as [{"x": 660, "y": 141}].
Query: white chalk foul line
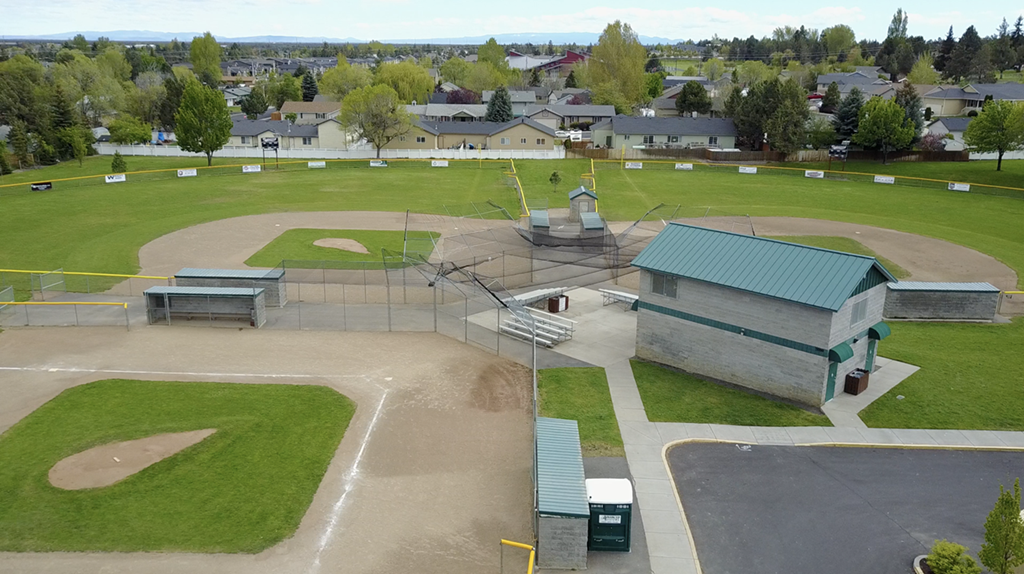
[
  {"x": 349, "y": 483},
  {"x": 172, "y": 373}
]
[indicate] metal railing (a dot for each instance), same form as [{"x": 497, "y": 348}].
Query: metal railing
[{"x": 533, "y": 554}]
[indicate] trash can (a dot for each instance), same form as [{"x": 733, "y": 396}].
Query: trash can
[
  {"x": 856, "y": 381},
  {"x": 558, "y": 304},
  {"x": 611, "y": 514}
]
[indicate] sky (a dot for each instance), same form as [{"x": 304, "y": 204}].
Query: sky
[{"x": 417, "y": 19}]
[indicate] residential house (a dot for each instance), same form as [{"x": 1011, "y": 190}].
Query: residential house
[
  {"x": 955, "y": 101},
  {"x": 665, "y": 105},
  {"x": 953, "y": 129},
  {"x": 566, "y": 95},
  {"x": 518, "y": 134},
  {"x": 847, "y": 80},
  {"x": 520, "y": 99},
  {"x": 448, "y": 112},
  {"x": 566, "y": 116},
  {"x": 324, "y": 135},
  {"x": 629, "y": 131},
  {"x": 233, "y": 96},
  {"x": 311, "y": 112},
  {"x": 550, "y": 66},
  {"x": 541, "y": 94}
]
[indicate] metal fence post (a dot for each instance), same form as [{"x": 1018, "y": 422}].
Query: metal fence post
[
  {"x": 127, "y": 319},
  {"x": 325, "y": 283},
  {"x": 75, "y": 307},
  {"x": 465, "y": 317},
  {"x": 435, "y": 307}
]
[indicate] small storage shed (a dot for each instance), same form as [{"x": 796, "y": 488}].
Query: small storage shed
[
  {"x": 562, "y": 506},
  {"x": 581, "y": 200},
  {"x": 941, "y": 301},
  {"x": 270, "y": 279},
  {"x": 210, "y": 303},
  {"x": 539, "y": 220}
]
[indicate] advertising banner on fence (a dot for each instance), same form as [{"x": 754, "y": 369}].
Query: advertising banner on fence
[
  {"x": 685, "y": 166},
  {"x": 317, "y": 164},
  {"x": 885, "y": 179},
  {"x": 634, "y": 165},
  {"x": 814, "y": 174},
  {"x": 188, "y": 172},
  {"x": 959, "y": 187},
  {"x": 378, "y": 163},
  {"x": 439, "y": 163},
  {"x": 745, "y": 169},
  {"x": 42, "y": 186},
  {"x": 118, "y": 177},
  {"x": 252, "y": 168}
]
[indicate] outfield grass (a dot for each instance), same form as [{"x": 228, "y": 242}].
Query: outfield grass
[
  {"x": 675, "y": 397},
  {"x": 581, "y": 394},
  {"x": 847, "y": 245},
  {"x": 970, "y": 377},
  {"x": 984, "y": 172},
  {"x": 297, "y": 245},
  {"x": 243, "y": 489}
]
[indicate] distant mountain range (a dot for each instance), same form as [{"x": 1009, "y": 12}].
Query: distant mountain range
[{"x": 581, "y": 38}]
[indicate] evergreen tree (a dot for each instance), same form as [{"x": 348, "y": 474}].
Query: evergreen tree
[
  {"x": 254, "y": 104},
  {"x": 945, "y": 51},
  {"x": 962, "y": 61},
  {"x": 653, "y": 65},
  {"x": 1003, "y": 549},
  {"x": 535, "y": 77},
  {"x": 19, "y": 143},
  {"x": 499, "y": 107},
  {"x": 1017, "y": 37},
  {"x": 118, "y": 165},
  {"x": 570, "y": 80},
  {"x": 910, "y": 101},
  {"x": 832, "y": 98},
  {"x": 787, "y": 126},
  {"x": 733, "y": 103},
  {"x": 5, "y": 165},
  {"x": 693, "y": 98},
  {"x": 62, "y": 115},
  {"x": 847, "y": 117},
  {"x": 309, "y": 89}
]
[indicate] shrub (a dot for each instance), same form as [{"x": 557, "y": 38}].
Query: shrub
[
  {"x": 972, "y": 114},
  {"x": 932, "y": 142},
  {"x": 118, "y": 165},
  {"x": 950, "y": 558}
]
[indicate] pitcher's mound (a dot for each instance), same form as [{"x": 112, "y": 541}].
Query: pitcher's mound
[
  {"x": 341, "y": 243},
  {"x": 106, "y": 464}
]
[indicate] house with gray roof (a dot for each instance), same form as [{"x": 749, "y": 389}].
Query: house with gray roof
[
  {"x": 519, "y": 134},
  {"x": 778, "y": 318},
  {"x": 955, "y": 101},
  {"x": 520, "y": 99},
  {"x": 324, "y": 135},
  {"x": 556, "y": 116},
  {"x": 953, "y": 129},
  {"x": 630, "y": 131},
  {"x": 848, "y": 80}
]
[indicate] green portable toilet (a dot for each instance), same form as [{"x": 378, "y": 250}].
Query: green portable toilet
[{"x": 611, "y": 513}]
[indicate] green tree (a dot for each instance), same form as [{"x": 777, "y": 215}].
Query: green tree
[
  {"x": 820, "y": 133},
  {"x": 908, "y": 99},
  {"x": 376, "y": 114},
  {"x": 499, "y": 107},
  {"x": 535, "y": 79},
  {"x": 118, "y": 165},
  {"x": 73, "y": 140},
  {"x": 733, "y": 102},
  {"x": 5, "y": 164},
  {"x": 1003, "y": 549},
  {"x": 309, "y": 89},
  {"x": 883, "y": 124},
  {"x": 616, "y": 67},
  {"x": 945, "y": 52},
  {"x": 961, "y": 62},
  {"x": 554, "y": 180},
  {"x": 838, "y": 39},
  {"x": 847, "y": 117},
  {"x": 409, "y": 81},
  {"x": 145, "y": 98},
  {"x": 570, "y": 80},
  {"x": 254, "y": 104},
  {"x": 130, "y": 130},
  {"x": 337, "y": 82},
  {"x": 653, "y": 65},
  {"x": 714, "y": 69},
  {"x": 80, "y": 43},
  {"x": 205, "y": 56},
  {"x": 832, "y": 98},
  {"x": 693, "y": 98},
  {"x": 655, "y": 84},
  {"x": 203, "y": 121},
  {"x": 492, "y": 53},
  {"x": 998, "y": 128},
  {"x": 280, "y": 88},
  {"x": 949, "y": 558},
  {"x": 1004, "y": 56},
  {"x": 455, "y": 70},
  {"x": 898, "y": 25},
  {"x": 922, "y": 72},
  {"x": 483, "y": 76},
  {"x": 19, "y": 143},
  {"x": 787, "y": 124}
]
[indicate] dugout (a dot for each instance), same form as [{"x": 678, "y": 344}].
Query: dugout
[
  {"x": 920, "y": 300},
  {"x": 272, "y": 280},
  {"x": 563, "y": 511},
  {"x": 211, "y": 303}
]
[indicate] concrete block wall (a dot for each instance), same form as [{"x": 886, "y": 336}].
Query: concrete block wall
[
  {"x": 947, "y": 305},
  {"x": 843, "y": 331},
  {"x": 562, "y": 542},
  {"x": 275, "y": 291}
]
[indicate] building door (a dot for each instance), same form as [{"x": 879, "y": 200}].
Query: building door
[
  {"x": 608, "y": 141},
  {"x": 869, "y": 362},
  {"x": 830, "y": 388}
]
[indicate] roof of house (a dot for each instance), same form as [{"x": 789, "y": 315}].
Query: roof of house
[
  {"x": 1007, "y": 91},
  {"x": 310, "y": 107},
  {"x": 669, "y": 126},
  {"x": 243, "y": 127},
  {"x": 811, "y": 276},
  {"x": 447, "y": 110},
  {"x": 572, "y": 110},
  {"x": 955, "y": 124},
  {"x": 518, "y": 97},
  {"x": 480, "y": 128},
  {"x": 953, "y": 93},
  {"x": 581, "y": 191}
]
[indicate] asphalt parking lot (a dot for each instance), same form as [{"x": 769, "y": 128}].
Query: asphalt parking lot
[{"x": 807, "y": 510}]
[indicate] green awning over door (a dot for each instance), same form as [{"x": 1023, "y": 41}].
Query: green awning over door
[
  {"x": 879, "y": 331},
  {"x": 840, "y": 353}
]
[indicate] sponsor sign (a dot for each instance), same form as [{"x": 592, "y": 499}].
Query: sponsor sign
[
  {"x": 885, "y": 179},
  {"x": 634, "y": 165},
  {"x": 188, "y": 172},
  {"x": 746, "y": 169},
  {"x": 252, "y": 168},
  {"x": 814, "y": 174},
  {"x": 378, "y": 163},
  {"x": 42, "y": 186},
  {"x": 269, "y": 143},
  {"x": 959, "y": 187},
  {"x": 317, "y": 164},
  {"x": 116, "y": 178},
  {"x": 609, "y": 519},
  {"x": 438, "y": 163},
  {"x": 685, "y": 166}
]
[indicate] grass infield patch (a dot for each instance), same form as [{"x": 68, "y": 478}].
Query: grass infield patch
[
  {"x": 582, "y": 394},
  {"x": 847, "y": 245},
  {"x": 297, "y": 245},
  {"x": 674, "y": 397},
  {"x": 243, "y": 489}
]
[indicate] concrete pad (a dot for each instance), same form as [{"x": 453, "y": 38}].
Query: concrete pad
[
  {"x": 648, "y": 470},
  {"x": 658, "y": 501},
  {"x": 844, "y": 435},
  {"x": 639, "y": 433},
  {"x": 664, "y": 521},
  {"x": 671, "y": 432},
  {"x": 949, "y": 437},
  {"x": 655, "y": 485},
  {"x": 771, "y": 435},
  {"x": 880, "y": 436},
  {"x": 669, "y": 544},
  {"x": 732, "y": 433},
  {"x": 983, "y": 438},
  {"x": 643, "y": 453},
  {"x": 914, "y": 436},
  {"x": 808, "y": 435},
  {"x": 1010, "y": 438},
  {"x": 666, "y": 565},
  {"x": 630, "y": 415},
  {"x": 843, "y": 418},
  {"x": 699, "y": 431}
]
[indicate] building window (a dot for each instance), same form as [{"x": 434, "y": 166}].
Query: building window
[
  {"x": 321, "y": 116},
  {"x": 245, "y": 140},
  {"x": 421, "y": 139},
  {"x": 401, "y": 138},
  {"x": 541, "y": 141},
  {"x": 712, "y": 140},
  {"x": 663, "y": 285},
  {"x": 506, "y": 141},
  {"x": 648, "y": 139},
  {"x": 860, "y": 312},
  {"x": 673, "y": 139},
  {"x": 523, "y": 141},
  {"x": 307, "y": 141},
  {"x": 625, "y": 137}
]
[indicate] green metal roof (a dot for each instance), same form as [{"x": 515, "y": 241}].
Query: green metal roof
[
  {"x": 561, "y": 484},
  {"x": 581, "y": 191},
  {"x": 591, "y": 220},
  {"x": 807, "y": 275}
]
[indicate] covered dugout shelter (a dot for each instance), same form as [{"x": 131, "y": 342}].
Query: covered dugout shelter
[
  {"x": 270, "y": 279},
  {"x": 211, "y": 303},
  {"x": 775, "y": 317}
]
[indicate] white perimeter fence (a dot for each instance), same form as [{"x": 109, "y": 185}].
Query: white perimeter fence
[{"x": 319, "y": 153}]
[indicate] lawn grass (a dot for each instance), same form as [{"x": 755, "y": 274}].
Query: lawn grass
[
  {"x": 984, "y": 172},
  {"x": 296, "y": 245},
  {"x": 970, "y": 377},
  {"x": 847, "y": 245},
  {"x": 581, "y": 394},
  {"x": 676, "y": 397},
  {"x": 243, "y": 489}
]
